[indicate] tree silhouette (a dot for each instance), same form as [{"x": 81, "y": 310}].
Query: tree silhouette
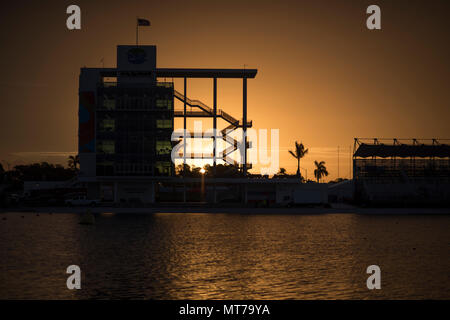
[
  {"x": 41, "y": 172},
  {"x": 320, "y": 170},
  {"x": 298, "y": 153},
  {"x": 183, "y": 170},
  {"x": 73, "y": 162},
  {"x": 222, "y": 171}
]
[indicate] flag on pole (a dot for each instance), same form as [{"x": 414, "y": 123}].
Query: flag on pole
[
  {"x": 140, "y": 23},
  {"x": 143, "y": 22}
]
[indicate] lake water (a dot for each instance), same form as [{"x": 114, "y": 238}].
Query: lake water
[{"x": 224, "y": 256}]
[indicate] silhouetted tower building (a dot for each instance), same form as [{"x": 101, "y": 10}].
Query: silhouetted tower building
[{"x": 126, "y": 119}]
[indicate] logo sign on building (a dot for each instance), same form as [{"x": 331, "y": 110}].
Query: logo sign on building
[
  {"x": 136, "y": 58},
  {"x": 137, "y": 55}
]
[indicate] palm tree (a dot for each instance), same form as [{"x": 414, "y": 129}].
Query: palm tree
[
  {"x": 298, "y": 153},
  {"x": 320, "y": 170},
  {"x": 73, "y": 162}
]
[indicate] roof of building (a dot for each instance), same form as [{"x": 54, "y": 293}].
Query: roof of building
[
  {"x": 205, "y": 73},
  {"x": 185, "y": 73},
  {"x": 402, "y": 150}
]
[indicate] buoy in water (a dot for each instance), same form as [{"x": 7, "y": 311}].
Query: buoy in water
[{"x": 87, "y": 218}]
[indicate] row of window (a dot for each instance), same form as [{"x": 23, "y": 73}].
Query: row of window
[
  {"x": 109, "y": 125},
  {"x": 106, "y": 146},
  {"x": 136, "y": 94},
  {"x": 136, "y": 103},
  {"x": 111, "y": 82},
  {"x": 163, "y": 168},
  {"x": 164, "y": 123},
  {"x": 163, "y": 147},
  {"x": 160, "y": 168}
]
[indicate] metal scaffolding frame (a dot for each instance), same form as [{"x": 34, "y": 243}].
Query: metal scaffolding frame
[{"x": 204, "y": 111}]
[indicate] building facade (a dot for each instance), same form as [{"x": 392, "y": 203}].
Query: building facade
[
  {"x": 126, "y": 120},
  {"x": 125, "y": 127}
]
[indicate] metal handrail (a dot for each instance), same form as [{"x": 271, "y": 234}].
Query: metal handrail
[
  {"x": 228, "y": 117},
  {"x": 234, "y": 123},
  {"x": 192, "y": 103},
  {"x": 201, "y": 105}
]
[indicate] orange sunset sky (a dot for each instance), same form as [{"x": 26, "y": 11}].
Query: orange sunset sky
[{"x": 323, "y": 77}]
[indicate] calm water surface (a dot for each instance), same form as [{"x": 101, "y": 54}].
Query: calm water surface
[{"x": 224, "y": 256}]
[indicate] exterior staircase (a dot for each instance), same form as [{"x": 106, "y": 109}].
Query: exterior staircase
[{"x": 202, "y": 110}]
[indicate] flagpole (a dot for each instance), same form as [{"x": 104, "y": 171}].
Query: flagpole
[{"x": 137, "y": 24}]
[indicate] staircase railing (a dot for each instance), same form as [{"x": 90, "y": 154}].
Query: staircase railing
[
  {"x": 193, "y": 103},
  {"x": 196, "y": 103},
  {"x": 205, "y": 110},
  {"x": 228, "y": 118}
]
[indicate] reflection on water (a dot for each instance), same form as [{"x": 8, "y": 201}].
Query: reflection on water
[{"x": 224, "y": 256}]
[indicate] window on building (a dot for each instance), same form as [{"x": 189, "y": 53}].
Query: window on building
[
  {"x": 106, "y": 146},
  {"x": 109, "y": 79},
  {"x": 107, "y": 125},
  {"x": 163, "y": 168},
  {"x": 164, "y": 104},
  {"x": 109, "y": 102},
  {"x": 161, "y": 103},
  {"x": 163, "y": 123},
  {"x": 165, "y": 84},
  {"x": 163, "y": 147}
]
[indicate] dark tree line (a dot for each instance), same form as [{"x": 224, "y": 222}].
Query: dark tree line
[
  {"x": 222, "y": 171},
  {"x": 42, "y": 171}
]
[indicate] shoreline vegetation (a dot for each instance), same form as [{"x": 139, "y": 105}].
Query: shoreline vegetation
[{"x": 338, "y": 209}]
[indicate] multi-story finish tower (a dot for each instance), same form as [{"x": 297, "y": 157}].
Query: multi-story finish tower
[{"x": 126, "y": 118}]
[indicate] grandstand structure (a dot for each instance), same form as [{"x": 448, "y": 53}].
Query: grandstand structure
[{"x": 401, "y": 171}]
